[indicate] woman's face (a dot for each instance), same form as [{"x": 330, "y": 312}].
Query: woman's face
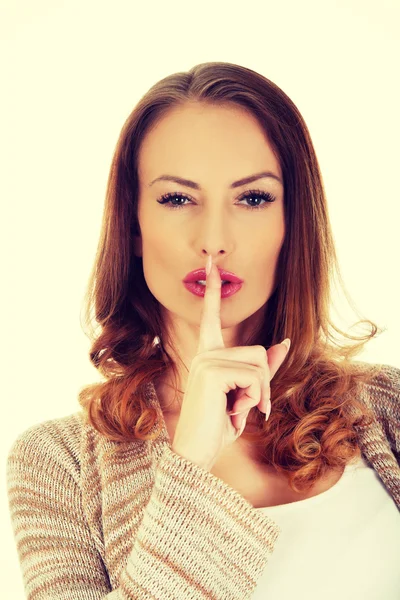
[{"x": 213, "y": 147}]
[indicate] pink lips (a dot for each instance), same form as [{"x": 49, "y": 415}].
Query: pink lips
[{"x": 200, "y": 275}]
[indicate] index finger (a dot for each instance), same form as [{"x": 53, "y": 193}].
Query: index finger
[{"x": 210, "y": 324}]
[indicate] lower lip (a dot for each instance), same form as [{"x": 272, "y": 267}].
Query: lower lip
[{"x": 227, "y": 289}]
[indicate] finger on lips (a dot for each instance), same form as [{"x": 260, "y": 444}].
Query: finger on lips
[
  {"x": 210, "y": 325},
  {"x": 211, "y": 338},
  {"x": 211, "y": 331}
]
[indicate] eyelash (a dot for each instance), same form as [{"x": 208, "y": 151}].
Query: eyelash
[{"x": 269, "y": 198}]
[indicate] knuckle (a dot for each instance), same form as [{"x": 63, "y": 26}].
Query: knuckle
[
  {"x": 199, "y": 356},
  {"x": 197, "y": 363},
  {"x": 262, "y": 351},
  {"x": 202, "y": 357},
  {"x": 209, "y": 369}
]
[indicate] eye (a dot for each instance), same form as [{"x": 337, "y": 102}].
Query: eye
[{"x": 251, "y": 195}]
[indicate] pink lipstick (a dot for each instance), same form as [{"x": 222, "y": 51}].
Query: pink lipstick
[{"x": 230, "y": 282}]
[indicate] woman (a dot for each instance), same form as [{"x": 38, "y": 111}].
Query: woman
[{"x": 212, "y": 461}]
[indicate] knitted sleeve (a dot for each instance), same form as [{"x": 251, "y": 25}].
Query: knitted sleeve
[
  {"x": 385, "y": 397},
  {"x": 209, "y": 544}
]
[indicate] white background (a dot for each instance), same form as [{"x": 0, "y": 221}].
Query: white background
[{"x": 71, "y": 72}]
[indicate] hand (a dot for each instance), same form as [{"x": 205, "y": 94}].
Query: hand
[{"x": 204, "y": 426}]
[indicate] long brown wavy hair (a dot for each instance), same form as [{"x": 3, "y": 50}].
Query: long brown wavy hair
[{"x": 314, "y": 393}]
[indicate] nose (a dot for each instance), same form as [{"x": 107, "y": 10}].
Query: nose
[{"x": 207, "y": 252}]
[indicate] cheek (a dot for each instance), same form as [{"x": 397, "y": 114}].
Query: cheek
[
  {"x": 155, "y": 240},
  {"x": 264, "y": 262},
  {"x": 162, "y": 262}
]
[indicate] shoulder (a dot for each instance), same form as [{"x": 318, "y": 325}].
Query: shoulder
[
  {"x": 55, "y": 441},
  {"x": 382, "y": 393}
]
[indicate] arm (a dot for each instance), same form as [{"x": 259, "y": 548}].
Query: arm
[
  {"x": 57, "y": 555},
  {"x": 198, "y": 537}
]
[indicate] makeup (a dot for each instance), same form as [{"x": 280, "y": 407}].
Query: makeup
[{"x": 227, "y": 289}]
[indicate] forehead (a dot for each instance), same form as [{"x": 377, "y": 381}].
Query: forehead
[{"x": 194, "y": 140}]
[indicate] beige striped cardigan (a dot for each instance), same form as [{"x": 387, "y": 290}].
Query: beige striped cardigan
[{"x": 147, "y": 523}]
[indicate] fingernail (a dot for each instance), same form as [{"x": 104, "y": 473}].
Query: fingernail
[
  {"x": 240, "y": 431},
  {"x": 208, "y": 265},
  {"x": 286, "y": 343},
  {"x": 268, "y": 411}
]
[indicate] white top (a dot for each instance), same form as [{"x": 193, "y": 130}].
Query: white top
[{"x": 343, "y": 543}]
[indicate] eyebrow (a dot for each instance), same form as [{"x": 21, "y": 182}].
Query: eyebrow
[{"x": 235, "y": 184}]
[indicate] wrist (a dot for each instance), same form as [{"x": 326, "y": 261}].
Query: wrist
[{"x": 206, "y": 465}]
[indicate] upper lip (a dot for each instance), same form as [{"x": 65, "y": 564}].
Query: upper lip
[{"x": 200, "y": 275}]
